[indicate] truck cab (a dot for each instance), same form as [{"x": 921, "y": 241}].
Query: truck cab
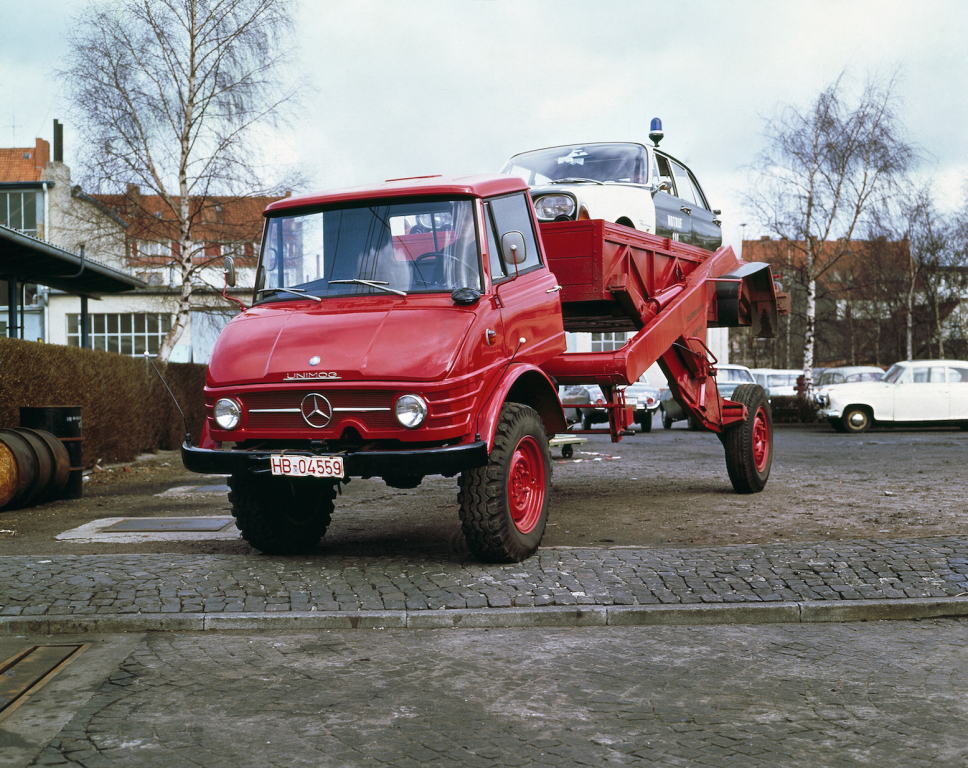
[{"x": 389, "y": 325}]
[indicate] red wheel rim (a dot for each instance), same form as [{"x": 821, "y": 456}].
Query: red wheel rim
[
  {"x": 761, "y": 440},
  {"x": 526, "y": 484}
]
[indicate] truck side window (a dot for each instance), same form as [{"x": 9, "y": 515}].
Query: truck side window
[{"x": 506, "y": 214}]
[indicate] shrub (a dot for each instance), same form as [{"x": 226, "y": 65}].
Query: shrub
[{"x": 126, "y": 410}]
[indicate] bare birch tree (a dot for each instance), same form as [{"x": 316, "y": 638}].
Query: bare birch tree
[
  {"x": 823, "y": 168},
  {"x": 167, "y": 94}
]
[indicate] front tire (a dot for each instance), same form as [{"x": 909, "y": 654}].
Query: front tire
[
  {"x": 281, "y": 515},
  {"x": 749, "y": 446},
  {"x": 504, "y": 505},
  {"x": 856, "y": 420},
  {"x": 666, "y": 420}
]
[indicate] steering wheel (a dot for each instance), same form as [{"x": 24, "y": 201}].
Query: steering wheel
[{"x": 426, "y": 257}]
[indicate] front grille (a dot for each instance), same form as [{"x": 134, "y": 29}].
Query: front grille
[{"x": 281, "y": 410}]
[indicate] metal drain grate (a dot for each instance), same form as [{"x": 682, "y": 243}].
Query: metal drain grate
[
  {"x": 29, "y": 670},
  {"x": 169, "y": 525}
]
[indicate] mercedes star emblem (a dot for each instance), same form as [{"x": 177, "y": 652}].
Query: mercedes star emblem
[{"x": 316, "y": 410}]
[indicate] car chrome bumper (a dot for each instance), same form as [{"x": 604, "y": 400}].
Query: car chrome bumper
[{"x": 447, "y": 461}]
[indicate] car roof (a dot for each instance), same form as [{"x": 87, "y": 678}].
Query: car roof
[
  {"x": 777, "y": 370},
  {"x": 932, "y": 362},
  {"x": 483, "y": 185}
]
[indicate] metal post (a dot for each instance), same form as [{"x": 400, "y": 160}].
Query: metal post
[
  {"x": 12, "y": 293},
  {"x": 85, "y": 325}
]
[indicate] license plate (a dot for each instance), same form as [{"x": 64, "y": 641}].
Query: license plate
[{"x": 306, "y": 466}]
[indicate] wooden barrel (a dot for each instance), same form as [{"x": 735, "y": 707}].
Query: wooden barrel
[
  {"x": 60, "y": 463},
  {"x": 21, "y": 474},
  {"x": 64, "y": 422}
]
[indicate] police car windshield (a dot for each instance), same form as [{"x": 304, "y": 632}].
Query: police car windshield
[
  {"x": 627, "y": 163},
  {"x": 399, "y": 248}
]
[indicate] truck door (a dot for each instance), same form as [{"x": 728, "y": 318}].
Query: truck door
[
  {"x": 527, "y": 293},
  {"x": 671, "y": 218}
]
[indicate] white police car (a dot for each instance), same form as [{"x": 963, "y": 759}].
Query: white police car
[{"x": 622, "y": 182}]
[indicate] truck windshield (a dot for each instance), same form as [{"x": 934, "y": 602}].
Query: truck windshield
[
  {"x": 393, "y": 248},
  {"x": 593, "y": 162}
]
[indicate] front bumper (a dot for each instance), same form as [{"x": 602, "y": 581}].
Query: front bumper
[{"x": 447, "y": 461}]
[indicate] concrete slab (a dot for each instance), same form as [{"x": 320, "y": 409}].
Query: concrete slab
[{"x": 134, "y": 530}]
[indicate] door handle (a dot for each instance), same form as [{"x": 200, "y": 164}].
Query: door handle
[{"x": 554, "y": 290}]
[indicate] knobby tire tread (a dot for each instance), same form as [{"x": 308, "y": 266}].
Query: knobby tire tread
[
  {"x": 738, "y": 440},
  {"x": 281, "y": 516},
  {"x": 486, "y": 521}
]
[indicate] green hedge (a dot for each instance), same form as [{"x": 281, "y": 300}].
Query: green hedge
[{"x": 126, "y": 410}]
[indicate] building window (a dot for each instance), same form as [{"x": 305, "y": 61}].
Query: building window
[
  {"x": 126, "y": 334},
  {"x": 18, "y": 210},
  {"x": 608, "y": 342},
  {"x": 154, "y": 249}
]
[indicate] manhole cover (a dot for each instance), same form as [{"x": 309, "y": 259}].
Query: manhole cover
[{"x": 169, "y": 524}]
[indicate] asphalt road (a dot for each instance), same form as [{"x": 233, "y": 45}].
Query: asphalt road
[{"x": 870, "y": 525}]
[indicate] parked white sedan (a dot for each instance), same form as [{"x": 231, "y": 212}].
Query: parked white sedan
[{"x": 911, "y": 392}]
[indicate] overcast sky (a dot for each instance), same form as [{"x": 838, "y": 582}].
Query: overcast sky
[{"x": 416, "y": 87}]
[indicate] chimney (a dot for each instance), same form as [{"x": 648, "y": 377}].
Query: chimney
[
  {"x": 132, "y": 200},
  {"x": 41, "y": 154},
  {"x": 58, "y": 142}
]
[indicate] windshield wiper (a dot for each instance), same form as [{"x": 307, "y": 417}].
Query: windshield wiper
[
  {"x": 574, "y": 179},
  {"x": 294, "y": 291},
  {"x": 381, "y": 284}
]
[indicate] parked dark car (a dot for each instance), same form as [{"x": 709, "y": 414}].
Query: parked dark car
[{"x": 583, "y": 394}]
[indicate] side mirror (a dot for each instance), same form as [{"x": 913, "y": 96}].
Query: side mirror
[
  {"x": 665, "y": 186},
  {"x": 229, "y": 272},
  {"x": 513, "y": 249}
]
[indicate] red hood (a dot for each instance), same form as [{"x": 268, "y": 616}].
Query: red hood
[{"x": 382, "y": 341}]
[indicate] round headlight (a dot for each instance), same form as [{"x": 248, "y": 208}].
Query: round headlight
[
  {"x": 228, "y": 413},
  {"x": 550, "y": 207},
  {"x": 411, "y": 411}
]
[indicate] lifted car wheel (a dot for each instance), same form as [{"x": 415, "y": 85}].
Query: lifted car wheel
[
  {"x": 281, "y": 515},
  {"x": 504, "y": 506},
  {"x": 749, "y": 446},
  {"x": 856, "y": 420}
]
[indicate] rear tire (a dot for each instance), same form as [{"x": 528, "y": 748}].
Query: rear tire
[
  {"x": 749, "y": 446},
  {"x": 504, "y": 505},
  {"x": 281, "y": 515},
  {"x": 646, "y": 422}
]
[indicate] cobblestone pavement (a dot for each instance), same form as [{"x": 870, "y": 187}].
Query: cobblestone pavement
[
  {"x": 882, "y": 693},
  {"x": 219, "y": 584}
]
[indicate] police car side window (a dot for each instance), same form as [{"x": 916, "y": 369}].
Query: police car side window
[
  {"x": 683, "y": 183},
  {"x": 511, "y": 214},
  {"x": 664, "y": 174}
]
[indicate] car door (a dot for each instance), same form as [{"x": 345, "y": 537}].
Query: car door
[
  {"x": 670, "y": 218},
  {"x": 706, "y": 231},
  {"x": 527, "y": 293},
  {"x": 925, "y": 396},
  {"x": 958, "y": 382}
]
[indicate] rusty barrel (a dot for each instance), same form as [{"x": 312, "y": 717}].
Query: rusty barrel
[
  {"x": 64, "y": 423},
  {"x": 34, "y": 467}
]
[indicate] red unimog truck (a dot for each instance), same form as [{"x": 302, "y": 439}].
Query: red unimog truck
[{"x": 417, "y": 327}]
